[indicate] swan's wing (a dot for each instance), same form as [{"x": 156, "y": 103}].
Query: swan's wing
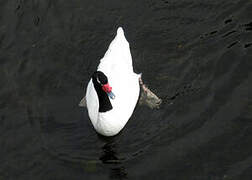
[
  {"x": 83, "y": 102},
  {"x": 147, "y": 97}
]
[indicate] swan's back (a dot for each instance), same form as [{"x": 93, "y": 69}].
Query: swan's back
[
  {"x": 117, "y": 57},
  {"x": 117, "y": 66}
]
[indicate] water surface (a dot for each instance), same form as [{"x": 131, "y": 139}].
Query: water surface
[{"x": 195, "y": 55}]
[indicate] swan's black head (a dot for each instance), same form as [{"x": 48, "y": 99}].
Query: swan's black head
[
  {"x": 103, "y": 89},
  {"x": 101, "y": 78}
]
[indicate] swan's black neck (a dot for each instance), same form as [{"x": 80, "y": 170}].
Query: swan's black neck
[{"x": 104, "y": 102}]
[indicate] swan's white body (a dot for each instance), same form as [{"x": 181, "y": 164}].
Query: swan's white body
[{"x": 117, "y": 66}]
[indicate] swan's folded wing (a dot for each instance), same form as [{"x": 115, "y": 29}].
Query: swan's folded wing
[
  {"x": 83, "y": 102},
  {"x": 148, "y": 98}
]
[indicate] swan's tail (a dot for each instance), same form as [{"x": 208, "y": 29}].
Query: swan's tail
[
  {"x": 120, "y": 31},
  {"x": 118, "y": 54}
]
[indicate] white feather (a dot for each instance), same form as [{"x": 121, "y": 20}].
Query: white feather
[{"x": 117, "y": 66}]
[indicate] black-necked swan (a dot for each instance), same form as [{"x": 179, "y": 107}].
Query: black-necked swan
[{"x": 113, "y": 91}]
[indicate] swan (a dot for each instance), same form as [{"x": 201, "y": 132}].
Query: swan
[{"x": 113, "y": 90}]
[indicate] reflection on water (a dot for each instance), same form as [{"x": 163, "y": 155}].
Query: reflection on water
[
  {"x": 118, "y": 173},
  {"x": 110, "y": 156}
]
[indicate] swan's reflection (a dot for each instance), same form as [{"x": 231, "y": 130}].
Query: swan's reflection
[
  {"x": 110, "y": 156},
  {"x": 118, "y": 173}
]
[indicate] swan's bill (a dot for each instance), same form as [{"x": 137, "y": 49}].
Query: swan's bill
[
  {"x": 108, "y": 89},
  {"x": 111, "y": 95}
]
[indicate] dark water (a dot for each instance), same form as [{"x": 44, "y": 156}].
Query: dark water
[{"x": 196, "y": 55}]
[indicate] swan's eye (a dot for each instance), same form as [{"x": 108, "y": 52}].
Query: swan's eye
[
  {"x": 102, "y": 80},
  {"x": 98, "y": 80}
]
